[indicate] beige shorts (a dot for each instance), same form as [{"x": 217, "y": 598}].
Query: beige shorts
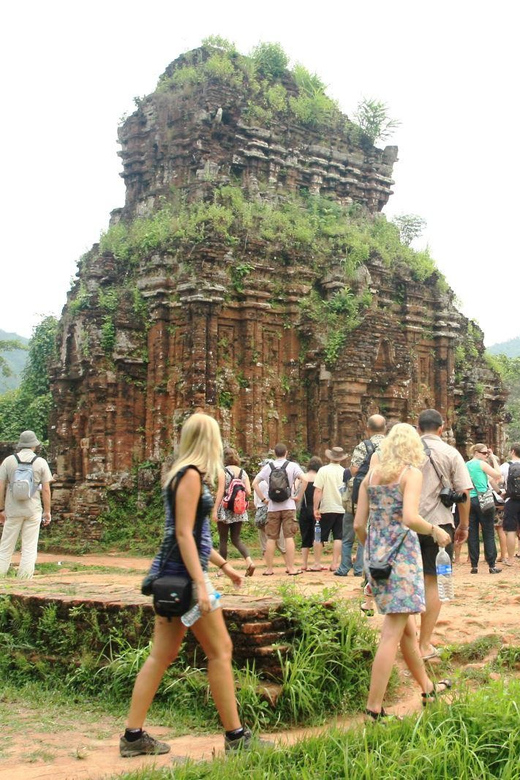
[{"x": 284, "y": 519}]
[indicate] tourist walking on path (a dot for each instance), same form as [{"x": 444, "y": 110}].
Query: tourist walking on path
[
  {"x": 306, "y": 514},
  {"x": 510, "y": 472},
  {"x": 229, "y": 522},
  {"x": 21, "y": 511},
  {"x": 328, "y": 505},
  {"x": 481, "y": 515},
  {"x": 188, "y": 505},
  {"x": 389, "y": 502},
  {"x": 359, "y": 465},
  {"x": 443, "y": 467},
  {"x": 280, "y": 475},
  {"x": 260, "y": 504}
]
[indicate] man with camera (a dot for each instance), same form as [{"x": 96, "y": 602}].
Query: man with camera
[{"x": 446, "y": 481}]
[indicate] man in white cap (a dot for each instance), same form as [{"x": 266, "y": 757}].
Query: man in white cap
[
  {"x": 21, "y": 504},
  {"x": 328, "y": 506}
]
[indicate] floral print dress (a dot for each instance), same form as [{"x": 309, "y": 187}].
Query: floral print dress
[{"x": 403, "y": 591}]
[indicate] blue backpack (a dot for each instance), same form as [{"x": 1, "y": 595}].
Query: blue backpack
[{"x": 22, "y": 487}]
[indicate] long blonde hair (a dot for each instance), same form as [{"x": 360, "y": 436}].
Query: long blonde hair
[
  {"x": 402, "y": 447},
  {"x": 200, "y": 446}
]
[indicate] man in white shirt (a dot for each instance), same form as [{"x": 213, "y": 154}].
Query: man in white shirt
[
  {"x": 23, "y": 516},
  {"x": 280, "y": 514},
  {"x": 328, "y": 505}
]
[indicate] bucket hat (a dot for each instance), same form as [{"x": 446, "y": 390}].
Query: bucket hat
[
  {"x": 27, "y": 439},
  {"x": 336, "y": 454}
]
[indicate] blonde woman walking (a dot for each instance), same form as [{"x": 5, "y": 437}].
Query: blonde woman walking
[
  {"x": 389, "y": 503},
  {"x": 188, "y": 504}
]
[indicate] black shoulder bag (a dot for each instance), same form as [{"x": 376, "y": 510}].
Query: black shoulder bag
[
  {"x": 381, "y": 570},
  {"x": 171, "y": 593}
]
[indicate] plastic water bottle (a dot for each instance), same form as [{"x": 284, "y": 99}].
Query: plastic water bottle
[
  {"x": 444, "y": 575},
  {"x": 317, "y": 532},
  {"x": 192, "y": 615}
]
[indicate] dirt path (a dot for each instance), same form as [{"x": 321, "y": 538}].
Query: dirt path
[{"x": 485, "y": 604}]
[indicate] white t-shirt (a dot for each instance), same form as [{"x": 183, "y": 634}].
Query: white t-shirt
[
  {"x": 42, "y": 475},
  {"x": 330, "y": 479},
  {"x": 293, "y": 472}
]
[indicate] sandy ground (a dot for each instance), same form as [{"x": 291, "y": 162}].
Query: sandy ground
[{"x": 484, "y": 604}]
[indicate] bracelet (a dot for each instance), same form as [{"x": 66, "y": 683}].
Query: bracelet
[
  {"x": 223, "y": 564},
  {"x": 433, "y": 527}
]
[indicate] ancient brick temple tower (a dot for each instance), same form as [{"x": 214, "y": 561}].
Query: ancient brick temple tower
[{"x": 158, "y": 323}]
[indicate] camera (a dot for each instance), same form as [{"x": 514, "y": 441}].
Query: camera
[{"x": 449, "y": 497}]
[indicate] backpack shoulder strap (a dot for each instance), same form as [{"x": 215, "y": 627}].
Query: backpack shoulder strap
[
  {"x": 240, "y": 474},
  {"x": 230, "y": 473},
  {"x": 284, "y": 465},
  {"x": 271, "y": 465},
  {"x": 370, "y": 447},
  {"x": 32, "y": 461},
  {"x": 17, "y": 458}
]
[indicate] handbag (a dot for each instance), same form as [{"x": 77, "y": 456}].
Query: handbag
[
  {"x": 486, "y": 500},
  {"x": 381, "y": 570},
  {"x": 261, "y": 516},
  {"x": 171, "y": 593}
]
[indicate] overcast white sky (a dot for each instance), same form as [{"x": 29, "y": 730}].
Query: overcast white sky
[{"x": 448, "y": 71}]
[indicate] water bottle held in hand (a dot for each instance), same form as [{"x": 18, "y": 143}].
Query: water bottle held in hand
[
  {"x": 317, "y": 532},
  {"x": 192, "y": 615},
  {"x": 444, "y": 575}
]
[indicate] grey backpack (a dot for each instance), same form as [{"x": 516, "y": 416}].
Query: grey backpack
[{"x": 22, "y": 487}]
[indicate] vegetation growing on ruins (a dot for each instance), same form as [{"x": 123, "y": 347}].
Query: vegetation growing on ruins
[
  {"x": 509, "y": 370},
  {"x": 29, "y": 406},
  {"x": 97, "y": 655}
]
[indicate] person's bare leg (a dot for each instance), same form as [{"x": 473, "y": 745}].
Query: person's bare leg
[
  {"x": 412, "y": 656},
  {"x": 391, "y": 633},
  {"x": 502, "y": 540},
  {"x": 510, "y": 544},
  {"x": 270, "y": 547},
  {"x": 305, "y": 558},
  {"x": 214, "y": 639},
  {"x": 336, "y": 554},
  {"x": 167, "y": 640},
  {"x": 431, "y": 615},
  {"x": 317, "y": 549},
  {"x": 290, "y": 551}
]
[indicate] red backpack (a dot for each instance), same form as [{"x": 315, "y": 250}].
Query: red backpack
[{"x": 235, "y": 499}]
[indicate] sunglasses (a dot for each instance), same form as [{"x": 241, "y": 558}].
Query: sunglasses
[{"x": 483, "y": 452}]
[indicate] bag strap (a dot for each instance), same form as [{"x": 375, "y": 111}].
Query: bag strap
[
  {"x": 171, "y": 494},
  {"x": 428, "y": 454}
]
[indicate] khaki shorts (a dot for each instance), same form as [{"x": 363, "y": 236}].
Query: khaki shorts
[{"x": 284, "y": 519}]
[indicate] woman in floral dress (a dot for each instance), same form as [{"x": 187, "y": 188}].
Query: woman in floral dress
[{"x": 389, "y": 504}]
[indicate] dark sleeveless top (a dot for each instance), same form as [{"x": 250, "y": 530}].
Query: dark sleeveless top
[
  {"x": 307, "y": 507},
  {"x": 201, "y": 529}
]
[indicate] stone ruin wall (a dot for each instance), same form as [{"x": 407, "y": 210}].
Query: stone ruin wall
[{"x": 247, "y": 358}]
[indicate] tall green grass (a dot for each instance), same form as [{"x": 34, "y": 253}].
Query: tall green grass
[{"x": 475, "y": 738}]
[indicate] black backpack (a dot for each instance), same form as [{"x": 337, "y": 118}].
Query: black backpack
[
  {"x": 363, "y": 470},
  {"x": 279, "y": 488},
  {"x": 513, "y": 480}
]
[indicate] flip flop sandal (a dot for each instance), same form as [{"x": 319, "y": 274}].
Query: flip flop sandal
[
  {"x": 427, "y": 698},
  {"x": 375, "y": 716},
  {"x": 268, "y": 573},
  {"x": 294, "y": 573},
  {"x": 435, "y": 653},
  {"x": 368, "y": 611},
  {"x": 250, "y": 570}
]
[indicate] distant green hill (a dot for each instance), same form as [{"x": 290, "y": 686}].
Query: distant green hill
[
  {"x": 15, "y": 359},
  {"x": 509, "y": 348}
]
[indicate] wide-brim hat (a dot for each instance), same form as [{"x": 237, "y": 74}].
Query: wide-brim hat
[
  {"x": 336, "y": 454},
  {"x": 27, "y": 439}
]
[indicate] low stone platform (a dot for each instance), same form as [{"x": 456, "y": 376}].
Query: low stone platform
[{"x": 100, "y": 596}]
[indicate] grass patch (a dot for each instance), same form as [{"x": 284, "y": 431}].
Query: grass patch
[
  {"x": 475, "y": 737},
  {"x": 477, "y": 650}
]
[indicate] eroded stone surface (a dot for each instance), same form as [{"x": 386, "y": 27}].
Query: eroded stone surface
[{"x": 246, "y": 356}]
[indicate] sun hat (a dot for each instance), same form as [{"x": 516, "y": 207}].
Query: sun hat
[
  {"x": 336, "y": 454},
  {"x": 27, "y": 439}
]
